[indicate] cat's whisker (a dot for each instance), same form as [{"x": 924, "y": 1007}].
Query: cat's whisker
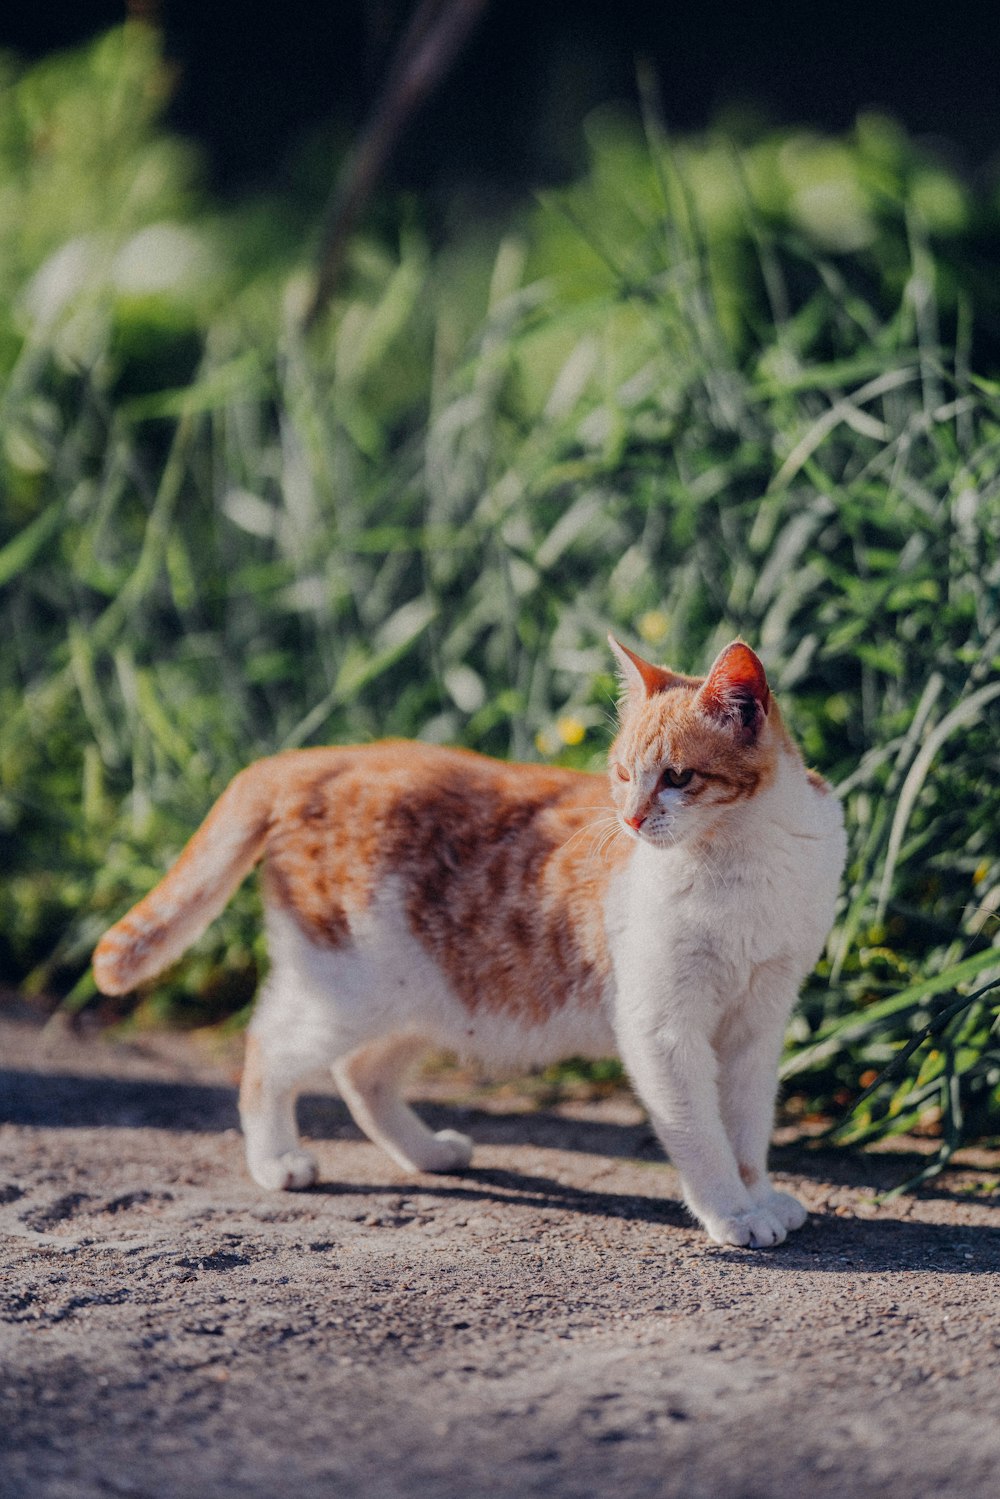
[
  {"x": 604, "y": 831},
  {"x": 601, "y": 829},
  {"x": 590, "y": 827},
  {"x": 613, "y": 832}
]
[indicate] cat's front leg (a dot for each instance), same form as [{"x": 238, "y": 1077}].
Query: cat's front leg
[
  {"x": 749, "y": 1049},
  {"x": 675, "y": 1072}
]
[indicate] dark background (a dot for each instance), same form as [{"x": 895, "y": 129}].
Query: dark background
[{"x": 253, "y": 79}]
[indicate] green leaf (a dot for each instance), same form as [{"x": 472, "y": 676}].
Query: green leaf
[
  {"x": 852, "y": 1027},
  {"x": 21, "y": 551}
]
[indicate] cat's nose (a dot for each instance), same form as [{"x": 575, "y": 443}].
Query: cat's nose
[{"x": 636, "y": 821}]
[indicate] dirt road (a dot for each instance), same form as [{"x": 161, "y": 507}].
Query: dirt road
[{"x": 546, "y": 1323}]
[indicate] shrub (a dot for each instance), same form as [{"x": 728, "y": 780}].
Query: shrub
[{"x": 670, "y": 401}]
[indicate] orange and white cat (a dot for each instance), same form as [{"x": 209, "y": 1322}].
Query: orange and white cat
[{"x": 424, "y": 897}]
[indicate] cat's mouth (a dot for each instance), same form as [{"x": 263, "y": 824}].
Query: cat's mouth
[{"x": 654, "y": 831}]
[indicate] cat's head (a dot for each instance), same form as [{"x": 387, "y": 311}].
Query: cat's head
[{"x": 690, "y": 750}]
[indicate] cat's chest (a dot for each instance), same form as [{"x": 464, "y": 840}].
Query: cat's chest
[{"x": 673, "y": 911}]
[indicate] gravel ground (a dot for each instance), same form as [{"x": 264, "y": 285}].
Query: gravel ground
[{"x": 547, "y": 1322}]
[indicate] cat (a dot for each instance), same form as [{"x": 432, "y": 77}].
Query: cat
[{"x": 418, "y": 896}]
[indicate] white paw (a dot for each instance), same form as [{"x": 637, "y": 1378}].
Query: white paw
[
  {"x": 787, "y": 1209},
  {"x": 756, "y": 1228},
  {"x": 285, "y": 1173},
  {"x": 447, "y": 1151}
]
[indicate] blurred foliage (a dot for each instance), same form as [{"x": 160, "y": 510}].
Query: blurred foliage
[{"x": 710, "y": 389}]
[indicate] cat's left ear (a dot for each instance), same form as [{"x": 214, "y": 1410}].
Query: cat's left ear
[
  {"x": 641, "y": 679},
  {"x": 736, "y": 691}
]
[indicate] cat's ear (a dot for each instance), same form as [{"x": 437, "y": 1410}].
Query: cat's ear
[
  {"x": 641, "y": 679},
  {"x": 736, "y": 691}
]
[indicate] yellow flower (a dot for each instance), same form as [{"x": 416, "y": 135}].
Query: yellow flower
[
  {"x": 653, "y": 625},
  {"x": 571, "y": 730},
  {"x": 980, "y": 872}
]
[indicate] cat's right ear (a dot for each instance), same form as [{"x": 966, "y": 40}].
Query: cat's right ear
[{"x": 640, "y": 679}]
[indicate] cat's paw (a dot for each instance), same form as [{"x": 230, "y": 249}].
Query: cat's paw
[
  {"x": 445, "y": 1151},
  {"x": 756, "y": 1228},
  {"x": 290, "y": 1172},
  {"x": 787, "y": 1209}
]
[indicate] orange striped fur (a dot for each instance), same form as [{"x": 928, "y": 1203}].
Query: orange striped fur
[{"x": 497, "y": 862}]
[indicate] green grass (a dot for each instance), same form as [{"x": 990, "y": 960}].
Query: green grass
[{"x": 691, "y": 396}]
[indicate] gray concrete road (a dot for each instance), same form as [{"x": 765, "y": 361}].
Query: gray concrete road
[{"x": 546, "y": 1323}]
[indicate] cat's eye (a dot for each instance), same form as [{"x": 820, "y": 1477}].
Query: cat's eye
[
  {"x": 676, "y": 778},
  {"x": 622, "y": 773}
]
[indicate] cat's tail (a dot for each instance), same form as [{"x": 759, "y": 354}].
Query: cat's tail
[{"x": 175, "y": 913}]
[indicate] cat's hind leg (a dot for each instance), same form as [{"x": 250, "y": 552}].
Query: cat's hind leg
[
  {"x": 267, "y": 1114},
  {"x": 370, "y": 1080}
]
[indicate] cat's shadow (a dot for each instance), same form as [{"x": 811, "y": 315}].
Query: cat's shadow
[
  {"x": 485, "y": 1186},
  {"x": 323, "y": 1117},
  {"x": 66, "y": 1100},
  {"x": 72, "y": 1100},
  {"x": 828, "y": 1243}
]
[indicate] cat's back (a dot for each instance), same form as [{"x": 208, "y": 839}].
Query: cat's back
[
  {"x": 385, "y": 792},
  {"x": 497, "y": 867}
]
